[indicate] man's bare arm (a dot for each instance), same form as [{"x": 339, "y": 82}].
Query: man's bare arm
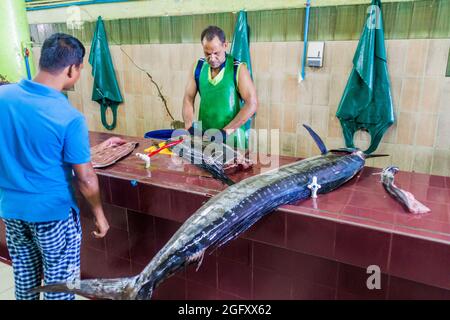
[
  {"x": 88, "y": 185},
  {"x": 248, "y": 93},
  {"x": 189, "y": 100}
]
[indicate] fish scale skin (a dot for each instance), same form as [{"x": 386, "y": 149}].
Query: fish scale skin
[{"x": 248, "y": 201}]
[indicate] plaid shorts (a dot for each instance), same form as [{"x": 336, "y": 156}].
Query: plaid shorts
[{"x": 49, "y": 247}]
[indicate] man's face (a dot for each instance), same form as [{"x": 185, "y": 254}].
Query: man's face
[
  {"x": 73, "y": 74},
  {"x": 214, "y": 51}
]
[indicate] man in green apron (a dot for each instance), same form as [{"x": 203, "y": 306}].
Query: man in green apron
[{"x": 221, "y": 82}]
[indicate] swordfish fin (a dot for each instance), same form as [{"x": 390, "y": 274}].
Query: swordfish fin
[
  {"x": 115, "y": 289},
  {"x": 317, "y": 139},
  {"x": 344, "y": 150}
]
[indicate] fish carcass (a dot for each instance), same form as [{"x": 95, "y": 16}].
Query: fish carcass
[
  {"x": 224, "y": 217},
  {"x": 405, "y": 198}
]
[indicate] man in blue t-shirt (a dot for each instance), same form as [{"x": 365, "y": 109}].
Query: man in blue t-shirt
[{"x": 42, "y": 139}]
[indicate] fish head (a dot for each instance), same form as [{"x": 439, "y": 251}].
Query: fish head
[{"x": 388, "y": 173}]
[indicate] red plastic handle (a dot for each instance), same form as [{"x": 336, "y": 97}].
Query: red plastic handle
[{"x": 167, "y": 145}]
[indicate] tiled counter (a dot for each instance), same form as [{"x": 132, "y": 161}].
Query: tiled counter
[{"x": 300, "y": 251}]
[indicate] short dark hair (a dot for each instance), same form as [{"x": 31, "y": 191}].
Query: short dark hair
[
  {"x": 59, "y": 51},
  {"x": 213, "y": 31}
]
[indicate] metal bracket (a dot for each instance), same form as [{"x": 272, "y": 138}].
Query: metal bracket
[{"x": 314, "y": 186}]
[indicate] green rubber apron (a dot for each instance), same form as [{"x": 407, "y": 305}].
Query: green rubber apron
[{"x": 219, "y": 102}]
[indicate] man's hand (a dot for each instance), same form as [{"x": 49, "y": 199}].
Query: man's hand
[
  {"x": 114, "y": 141},
  {"x": 102, "y": 226},
  {"x": 111, "y": 142},
  {"x": 189, "y": 100}
]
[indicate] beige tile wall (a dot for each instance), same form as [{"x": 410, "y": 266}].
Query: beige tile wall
[{"x": 418, "y": 141}]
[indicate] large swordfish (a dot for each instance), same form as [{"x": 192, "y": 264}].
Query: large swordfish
[{"x": 224, "y": 217}]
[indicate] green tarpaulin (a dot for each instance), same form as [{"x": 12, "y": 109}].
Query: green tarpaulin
[
  {"x": 240, "y": 49},
  {"x": 106, "y": 90},
  {"x": 367, "y": 102}
]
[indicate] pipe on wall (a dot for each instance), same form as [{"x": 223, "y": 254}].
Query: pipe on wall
[{"x": 305, "y": 42}]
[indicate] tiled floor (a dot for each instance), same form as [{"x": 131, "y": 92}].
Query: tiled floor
[{"x": 7, "y": 283}]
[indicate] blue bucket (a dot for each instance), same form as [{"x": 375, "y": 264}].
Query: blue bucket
[{"x": 164, "y": 134}]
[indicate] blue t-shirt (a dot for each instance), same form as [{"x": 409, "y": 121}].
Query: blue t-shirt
[{"x": 41, "y": 136}]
